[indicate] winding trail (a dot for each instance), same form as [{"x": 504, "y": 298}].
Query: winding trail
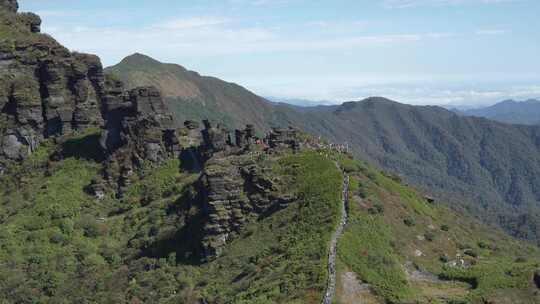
[{"x": 331, "y": 284}]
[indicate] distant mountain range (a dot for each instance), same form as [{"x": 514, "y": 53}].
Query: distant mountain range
[
  {"x": 300, "y": 102},
  {"x": 510, "y": 111},
  {"x": 465, "y": 160}
]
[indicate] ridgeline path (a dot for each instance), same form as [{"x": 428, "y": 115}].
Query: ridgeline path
[{"x": 331, "y": 284}]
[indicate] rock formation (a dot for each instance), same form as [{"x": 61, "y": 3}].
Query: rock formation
[
  {"x": 235, "y": 191},
  {"x": 139, "y": 130},
  {"x": 45, "y": 90},
  {"x": 283, "y": 138},
  {"x": 31, "y": 21},
  {"x": 9, "y": 5},
  {"x": 245, "y": 138},
  {"x": 215, "y": 138}
]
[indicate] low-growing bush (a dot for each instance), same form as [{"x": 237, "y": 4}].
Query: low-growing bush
[{"x": 409, "y": 221}]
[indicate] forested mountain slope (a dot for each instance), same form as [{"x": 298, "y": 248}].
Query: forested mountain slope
[
  {"x": 510, "y": 111},
  {"x": 489, "y": 168}
]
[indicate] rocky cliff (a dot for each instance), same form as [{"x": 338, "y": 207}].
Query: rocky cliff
[
  {"x": 236, "y": 190},
  {"x": 45, "y": 90},
  {"x": 138, "y": 130}
]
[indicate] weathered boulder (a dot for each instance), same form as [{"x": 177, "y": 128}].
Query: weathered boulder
[{"x": 97, "y": 188}]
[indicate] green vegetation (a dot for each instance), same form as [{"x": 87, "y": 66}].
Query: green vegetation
[
  {"x": 157, "y": 183},
  {"x": 56, "y": 238},
  {"x": 412, "y": 236},
  {"x": 283, "y": 257},
  {"x": 366, "y": 247}
]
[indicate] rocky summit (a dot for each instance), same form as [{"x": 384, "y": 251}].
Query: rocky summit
[{"x": 45, "y": 90}]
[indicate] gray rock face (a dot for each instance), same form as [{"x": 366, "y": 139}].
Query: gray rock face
[
  {"x": 45, "y": 90},
  {"x": 235, "y": 191},
  {"x": 13, "y": 146},
  {"x": 283, "y": 138},
  {"x": 139, "y": 130},
  {"x": 245, "y": 138},
  {"x": 215, "y": 138},
  {"x": 9, "y": 5}
]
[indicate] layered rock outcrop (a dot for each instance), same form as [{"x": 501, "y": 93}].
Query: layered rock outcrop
[
  {"x": 45, "y": 90},
  {"x": 215, "y": 139},
  {"x": 283, "y": 138},
  {"x": 245, "y": 138},
  {"x": 235, "y": 191},
  {"x": 139, "y": 130},
  {"x": 234, "y": 187}
]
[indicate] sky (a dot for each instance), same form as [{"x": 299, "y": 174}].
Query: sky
[{"x": 445, "y": 52}]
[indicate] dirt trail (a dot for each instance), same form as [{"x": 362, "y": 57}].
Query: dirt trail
[{"x": 331, "y": 285}]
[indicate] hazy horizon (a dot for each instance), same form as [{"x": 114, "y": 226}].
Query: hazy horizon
[{"x": 443, "y": 52}]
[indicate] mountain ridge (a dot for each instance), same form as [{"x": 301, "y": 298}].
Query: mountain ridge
[
  {"x": 462, "y": 159},
  {"x": 510, "y": 111},
  {"x": 186, "y": 91}
]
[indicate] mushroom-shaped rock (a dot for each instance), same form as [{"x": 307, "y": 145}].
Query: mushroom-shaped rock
[{"x": 32, "y": 21}]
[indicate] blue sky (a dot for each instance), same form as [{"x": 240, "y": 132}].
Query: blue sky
[{"x": 459, "y": 52}]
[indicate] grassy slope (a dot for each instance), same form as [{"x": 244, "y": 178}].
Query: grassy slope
[
  {"x": 55, "y": 239},
  {"x": 59, "y": 245},
  {"x": 391, "y": 223},
  {"x": 465, "y": 160}
]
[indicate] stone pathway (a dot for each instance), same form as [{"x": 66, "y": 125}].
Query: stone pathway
[{"x": 331, "y": 287}]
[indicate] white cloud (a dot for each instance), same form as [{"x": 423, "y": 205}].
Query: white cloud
[
  {"x": 491, "y": 32},
  {"x": 59, "y": 13},
  {"x": 416, "y": 3},
  {"x": 260, "y": 2},
  {"x": 211, "y": 36},
  {"x": 193, "y": 22},
  {"x": 444, "y": 89}
]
